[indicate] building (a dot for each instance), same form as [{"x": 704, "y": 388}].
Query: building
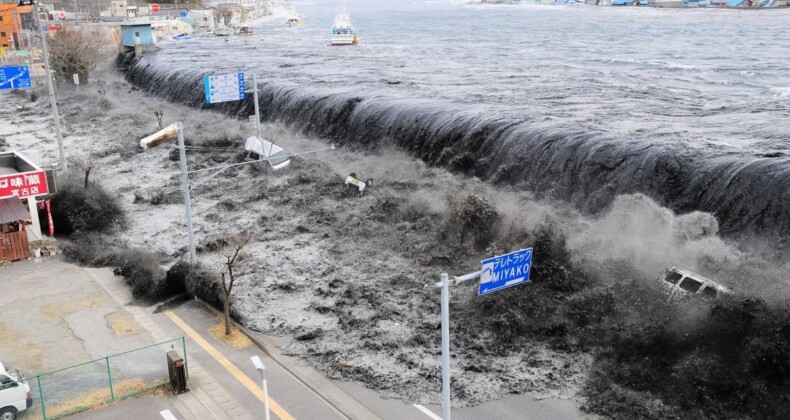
[
  {"x": 165, "y": 29},
  {"x": 21, "y": 181},
  {"x": 138, "y": 34},
  {"x": 13, "y": 20},
  {"x": 204, "y": 20}
]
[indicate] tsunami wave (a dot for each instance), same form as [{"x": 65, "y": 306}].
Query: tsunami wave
[{"x": 748, "y": 194}]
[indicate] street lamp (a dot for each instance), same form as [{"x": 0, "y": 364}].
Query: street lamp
[{"x": 256, "y": 361}]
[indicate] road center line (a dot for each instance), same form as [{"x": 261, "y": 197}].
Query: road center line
[
  {"x": 167, "y": 415},
  {"x": 227, "y": 364},
  {"x": 427, "y": 412}
]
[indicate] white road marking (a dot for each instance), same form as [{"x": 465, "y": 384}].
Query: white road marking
[
  {"x": 167, "y": 415},
  {"x": 427, "y": 412}
]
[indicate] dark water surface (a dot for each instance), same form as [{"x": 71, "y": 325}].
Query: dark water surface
[{"x": 582, "y": 103}]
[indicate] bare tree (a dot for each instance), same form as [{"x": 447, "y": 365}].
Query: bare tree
[
  {"x": 85, "y": 164},
  {"x": 233, "y": 261},
  {"x": 76, "y": 52}
]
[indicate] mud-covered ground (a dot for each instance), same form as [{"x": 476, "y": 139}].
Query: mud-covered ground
[{"x": 350, "y": 279}]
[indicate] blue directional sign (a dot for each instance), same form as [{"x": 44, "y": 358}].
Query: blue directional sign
[
  {"x": 183, "y": 14},
  {"x": 224, "y": 88},
  {"x": 505, "y": 271},
  {"x": 15, "y": 77}
]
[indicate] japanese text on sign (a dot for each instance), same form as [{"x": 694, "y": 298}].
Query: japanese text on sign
[
  {"x": 26, "y": 184},
  {"x": 505, "y": 271}
]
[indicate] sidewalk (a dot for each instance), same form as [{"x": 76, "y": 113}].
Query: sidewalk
[{"x": 207, "y": 399}]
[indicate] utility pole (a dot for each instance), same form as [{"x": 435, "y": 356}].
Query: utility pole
[
  {"x": 51, "y": 88},
  {"x": 185, "y": 187}
]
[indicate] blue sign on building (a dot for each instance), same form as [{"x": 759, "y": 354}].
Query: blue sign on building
[
  {"x": 15, "y": 77},
  {"x": 505, "y": 271},
  {"x": 224, "y": 87},
  {"x": 183, "y": 14}
]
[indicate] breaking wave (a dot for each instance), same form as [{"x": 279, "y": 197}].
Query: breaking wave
[{"x": 747, "y": 194}]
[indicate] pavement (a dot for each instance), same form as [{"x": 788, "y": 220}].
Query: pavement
[{"x": 84, "y": 314}]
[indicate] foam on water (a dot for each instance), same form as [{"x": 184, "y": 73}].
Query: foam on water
[{"x": 579, "y": 103}]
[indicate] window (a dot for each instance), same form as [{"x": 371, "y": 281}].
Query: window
[
  {"x": 137, "y": 34},
  {"x": 2, "y": 34},
  {"x": 6, "y": 382},
  {"x": 690, "y": 285},
  {"x": 672, "y": 277},
  {"x": 709, "y": 293}
]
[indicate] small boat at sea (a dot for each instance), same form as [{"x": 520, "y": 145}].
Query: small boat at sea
[
  {"x": 222, "y": 31},
  {"x": 342, "y": 33},
  {"x": 294, "y": 20}
]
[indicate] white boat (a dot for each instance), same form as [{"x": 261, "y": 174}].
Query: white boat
[
  {"x": 294, "y": 20},
  {"x": 222, "y": 31},
  {"x": 342, "y": 33}
]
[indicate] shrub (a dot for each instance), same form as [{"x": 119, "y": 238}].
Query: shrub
[
  {"x": 197, "y": 281},
  {"x": 90, "y": 249},
  {"x": 85, "y": 209},
  {"x": 142, "y": 273}
]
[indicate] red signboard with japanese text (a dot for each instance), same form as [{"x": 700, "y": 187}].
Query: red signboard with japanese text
[{"x": 25, "y": 184}]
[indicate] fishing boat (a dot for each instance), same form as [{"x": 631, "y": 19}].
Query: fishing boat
[
  {"x": 294, "y": 20},
  {"x": 342, "y": 33}
]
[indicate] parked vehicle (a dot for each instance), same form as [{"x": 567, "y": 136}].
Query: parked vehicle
[
  {"x": 15, "y": 394},
  {"x": 680, "y": 282}
]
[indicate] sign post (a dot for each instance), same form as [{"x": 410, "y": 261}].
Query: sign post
[{"x": 496, "y": 273}]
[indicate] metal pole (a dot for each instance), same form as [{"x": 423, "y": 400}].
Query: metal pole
[
  {"x": 185, "y": 187},
  {"x": 265, "y": 393},
  {"x": 53, "y": 101},
  {"x": 109, "y": 376},
  {"x": 445, "y": 285},
  {"x": 257, "y": 111}
]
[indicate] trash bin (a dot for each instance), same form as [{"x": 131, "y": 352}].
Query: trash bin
[{"x": 178, "y": 373}]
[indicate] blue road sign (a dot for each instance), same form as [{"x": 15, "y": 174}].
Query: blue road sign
[
  {"x": 224, "y": 88},
  {"x": 505, "y": 271},
  {"x": 15, "y": 77},
  {"x": 183, "y": 14}
]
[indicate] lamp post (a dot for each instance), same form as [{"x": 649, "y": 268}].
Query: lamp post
[{"x": 262, "y": 370}]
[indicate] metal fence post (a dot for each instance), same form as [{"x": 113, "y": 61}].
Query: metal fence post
[
  {"x": 109, "y": 376},
  {"x": 184, "y": 348},
  {"x": 41, "y": 397}
]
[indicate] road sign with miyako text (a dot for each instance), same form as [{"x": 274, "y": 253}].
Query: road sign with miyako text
[
  {"x": 224, "y": 87},
  {"x": 505, "y": 271},
  {"x": 24, "y": 184}
]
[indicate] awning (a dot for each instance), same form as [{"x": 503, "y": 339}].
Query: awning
[{"x": 12, "y": 210}]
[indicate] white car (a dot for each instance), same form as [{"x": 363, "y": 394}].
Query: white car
[
  {"x": 14, "y": 393},
  {"x": 684, "y": 282}
]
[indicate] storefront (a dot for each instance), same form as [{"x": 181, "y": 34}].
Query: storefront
[{"x": 21, "y": 181}]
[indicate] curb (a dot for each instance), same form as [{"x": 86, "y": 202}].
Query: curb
[{"x": 345, "y": 404}]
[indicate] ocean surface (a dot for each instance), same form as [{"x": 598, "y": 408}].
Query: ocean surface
[{"x": 581, "y": 103}]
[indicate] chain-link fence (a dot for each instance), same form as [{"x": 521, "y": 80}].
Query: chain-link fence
[{"x": 80, "y": 387}]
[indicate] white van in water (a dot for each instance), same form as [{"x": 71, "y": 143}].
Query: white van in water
[
  {"x": 261, "y": 149},
  {"x": 14, "y": 394},
  {"x": 684, "y": 282}
]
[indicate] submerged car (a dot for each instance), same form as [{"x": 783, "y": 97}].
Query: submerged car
[{"x": 680, "y": 282}]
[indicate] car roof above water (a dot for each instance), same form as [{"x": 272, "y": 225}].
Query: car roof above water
[{"x": 695, "y": 276}]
